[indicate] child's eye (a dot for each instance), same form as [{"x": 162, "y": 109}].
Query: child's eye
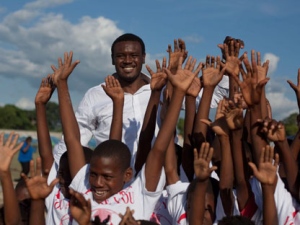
[
  {"x": 93, "y": 175},
  {"x": 108, "y": 177}
]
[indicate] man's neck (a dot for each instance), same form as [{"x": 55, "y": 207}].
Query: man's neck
[{"x": 133, "y": 87}]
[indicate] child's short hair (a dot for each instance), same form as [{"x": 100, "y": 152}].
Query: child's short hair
[
  {"x": 235, "y": 220},
  {"x": 86, "y": 151},
  {"x": 114, "y": 149}
]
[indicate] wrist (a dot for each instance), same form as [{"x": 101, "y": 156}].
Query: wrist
[{"x": 5, "y": 174}]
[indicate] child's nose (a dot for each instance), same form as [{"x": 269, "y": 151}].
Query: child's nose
[{"x": 100, "y": 181}]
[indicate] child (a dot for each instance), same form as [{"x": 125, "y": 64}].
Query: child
[{"x": 8, "y": 149}]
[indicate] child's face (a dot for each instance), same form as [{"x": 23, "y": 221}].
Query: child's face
[
  {"x": 64, "y": 177},
  {"x": 107, "y": 178}
]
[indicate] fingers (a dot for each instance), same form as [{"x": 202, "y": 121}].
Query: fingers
[
  {"x": 38, "y": 170},
  {"x": 292, "y": 85},
  {"x": 198, "y": 69},
  {"x": 258, "y": 59},
  {"x": 53, "y": 183},
  {"x": 207, "y": 122},
  {"x": 175, "y": 46},
  {"x": 31, "y": 168},
  {"x": 253, "y": 167},
  {"x": 149, "y": 70},
  {"x": 164, "y": 63}
]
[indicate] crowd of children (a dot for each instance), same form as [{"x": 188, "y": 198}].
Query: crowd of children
[{"x": 236, "y": 169}]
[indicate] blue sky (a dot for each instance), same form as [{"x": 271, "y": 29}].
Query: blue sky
[{"x": 33, "y": 34}]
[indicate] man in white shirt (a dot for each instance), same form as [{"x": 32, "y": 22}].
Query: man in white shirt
[{"x": 94, "y": 113}]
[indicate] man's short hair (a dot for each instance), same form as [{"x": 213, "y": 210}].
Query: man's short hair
[{"x": 128, "y": 37}]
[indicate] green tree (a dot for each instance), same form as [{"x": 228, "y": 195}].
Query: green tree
[
  {"x": 11, "y": 117},
  {"x": 53, "y": 117},
  {"x": 180, "y": 125},
  {"x": 290, "y": 124}
]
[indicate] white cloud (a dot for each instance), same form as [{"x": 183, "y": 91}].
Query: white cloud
[
  {"x": 25, "y": 103},
  {"x": 28, "y": 51},
  {"x": 273, "y": 62},
  {"x": 193, "y": 39},
  {"x": 269, "y": 8},
  {"x": 282, "y": 107},
  {"x": 46, "y": 3}
]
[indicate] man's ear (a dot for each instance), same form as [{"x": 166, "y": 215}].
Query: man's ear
[
  {"x": 128, "y": 174},
  {"x": 112, "y": 60},
  {"x": 144, "y": 57}
]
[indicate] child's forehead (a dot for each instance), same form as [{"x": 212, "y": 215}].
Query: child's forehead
[{"x": 101, "y": 161}]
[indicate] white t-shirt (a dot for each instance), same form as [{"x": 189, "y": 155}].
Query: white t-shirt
[
  {"x": 135, "y": 196},
  {"x": 283, "y": 201},
  {"x": 56, "y": 204},
  {"x": 177, "y": 202},
  {"x": 161, "y": 214}
]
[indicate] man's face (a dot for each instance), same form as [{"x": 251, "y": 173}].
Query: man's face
[
  {"x": 128, "y": 60},
  {"x": 106, "y": 178}
]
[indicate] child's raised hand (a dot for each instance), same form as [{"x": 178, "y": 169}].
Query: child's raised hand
[
  {"x": 8, "y": 150},
  {"x": 184, "y": 76},
  {"x": 266, "y": 173},
  {"x": 219, "y": 126},
  {"x": 37, "y": 184},
  {"x": 80, "y": 208},
  {"x": 158, "y": 79},
  {"x": 234, "y": 115},
  {"x": 251, "y": 86},
  {"x": 45, "y": 91},
  {"x": 201, "y": 162},
  {"x": 262, "y": 69},
  {"x": 273, "y": 130},
  {"x": 113, "y": 88},
  {"x": 65, "y": 68},
  {"x": 127, "y": 218},
  {"x": 179, "y": 51},
  {"x": 231, "y": 54},
  {"x": 212, "y": 73},
  {"x": 194, "y": 88},
  {"x": 296, "y": 88}
]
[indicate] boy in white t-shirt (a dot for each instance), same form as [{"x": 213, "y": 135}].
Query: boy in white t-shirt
[{"x": 109, "y": 169}]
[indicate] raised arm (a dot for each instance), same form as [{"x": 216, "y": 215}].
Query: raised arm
[
  {"x": 38, "y": 190},
  {"x": 69, "y": 122},
  {"x": 220, "y": 127},
  {"x": 8, "y": 149},
  {"x": 295, "y": 147},
  {"x": 275, "y": 132},
  {"x": 156, "y": 158},
  {"x": 251, "y": 89},
  {"x": 158, "y": 81},
  {"x": 211, "y": 76},
  {"x": 202, "y": 174},
  {"x": 114, "y": 90},
  {"x": 266, "y": 174},
  {"x": 44, "y": 142},
  {"x": 234, "y": 118},
  {"x": 190, "y": 113}
]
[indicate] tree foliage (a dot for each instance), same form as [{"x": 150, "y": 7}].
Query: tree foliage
[
  {"x": 12, "y": 117},
  {"x": 290, "y": 124}
]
